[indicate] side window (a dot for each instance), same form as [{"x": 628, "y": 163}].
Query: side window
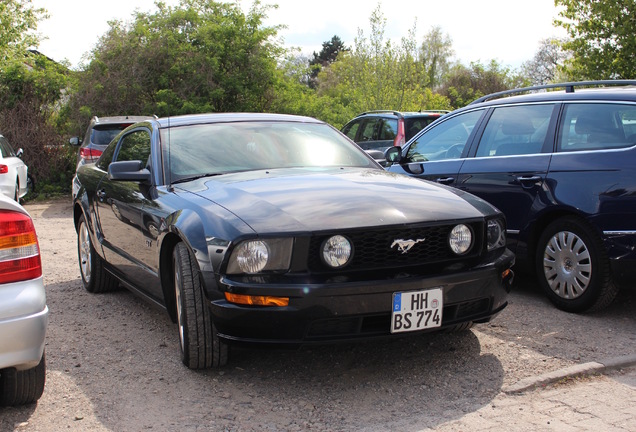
[
  {"x": 351, "y": 129},
  {"x": 5, "y": 148},
  {"x": 369, "y": 128},
  {"x": 388, "y": 129},
  {"x": 515, "y": 130},
  {"x": 445, "y": 141},
  {"x": 134, "y": 146},
  {"x": 597, "y": 127}
]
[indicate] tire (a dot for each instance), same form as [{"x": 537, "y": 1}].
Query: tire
[
  {"x": 22, "y": 387},
  {"x": 16, "y": 192},
  {"x": 572, "y": 267},
  {"x": 94, "y": 277},
  {"x": 200, "y": 345}
]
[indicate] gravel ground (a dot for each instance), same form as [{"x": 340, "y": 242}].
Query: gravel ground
[{"x": 113, "y": 363}]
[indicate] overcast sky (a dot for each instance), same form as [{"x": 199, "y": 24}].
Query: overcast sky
[{"x": 508, "y": 31}]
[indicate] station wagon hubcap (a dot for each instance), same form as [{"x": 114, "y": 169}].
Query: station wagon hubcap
[
  {"x": 567, "y": 265},
  {"x": 85, "y": 253}
]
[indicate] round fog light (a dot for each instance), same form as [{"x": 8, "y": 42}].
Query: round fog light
[{"x": 336, "y": 251}]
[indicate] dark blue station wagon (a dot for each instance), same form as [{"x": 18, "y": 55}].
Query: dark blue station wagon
[{"x": 561, "y": 165}]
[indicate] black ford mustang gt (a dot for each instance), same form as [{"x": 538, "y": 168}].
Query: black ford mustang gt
[{"x": 274, "y": 229}]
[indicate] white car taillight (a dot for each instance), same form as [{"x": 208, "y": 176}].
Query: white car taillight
[{"x": 19, "y": 249}]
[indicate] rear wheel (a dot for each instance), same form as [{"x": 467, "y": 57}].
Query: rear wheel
[
  {"x": 572, "y": 267},
  {"x": 22, "y": 387},
  {"x": 200, "y": 345},
  {"x": 16, "y": 192},
  {"x": 94, "y": 277}
]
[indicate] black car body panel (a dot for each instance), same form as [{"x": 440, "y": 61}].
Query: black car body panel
[{"x": 135, "y": 225}]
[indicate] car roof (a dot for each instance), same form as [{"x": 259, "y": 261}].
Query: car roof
[
  {"x": 120, "y": 119},
  {"x": 613, "y": 92},
  {"x": 427, "y": 113},
  {"x": 193, "y": 119}
]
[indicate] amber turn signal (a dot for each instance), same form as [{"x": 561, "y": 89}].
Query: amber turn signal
[{"x": 256, "y": 300}]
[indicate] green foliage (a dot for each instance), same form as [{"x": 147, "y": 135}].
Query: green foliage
[
  {"x": 464, "y": 84},
  {"x": 329, "y": 54},
  {"x": 31, "y": 95},
  {"x": 601, "y": 38},
  {"x": 376, "y": 74},
  {"x": 18, "y": 20},
  {"x": 200, "y": 56}
]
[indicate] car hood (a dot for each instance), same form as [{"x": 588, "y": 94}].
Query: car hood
[{"x": 293, "y": 200}]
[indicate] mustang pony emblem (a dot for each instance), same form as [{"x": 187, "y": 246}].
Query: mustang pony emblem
[{"x": 405, "y": 245}]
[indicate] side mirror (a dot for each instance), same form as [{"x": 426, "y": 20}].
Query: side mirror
[
  {"x": 393, "y": 154},
  {"x": 19, "y": 153},
  {"x": 75, "y": 141},
  {"x": 128, "y": 171}
]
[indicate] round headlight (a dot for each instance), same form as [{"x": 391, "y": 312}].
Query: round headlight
[
  {"x": 336, "y": 251},
  {"x": 460, "y": 239},
  {"x": 252, "y": 256}
]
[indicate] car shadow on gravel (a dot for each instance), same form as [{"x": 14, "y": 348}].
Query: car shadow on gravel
[{"x": 113, "y": 364}]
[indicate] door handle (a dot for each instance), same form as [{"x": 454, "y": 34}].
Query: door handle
[
  {"x": 446, "y": 181},
  {"x": 101, "y": 194},
  {"x": 526, "y": 179}
]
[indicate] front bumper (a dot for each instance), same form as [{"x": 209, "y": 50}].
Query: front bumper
[
  {"x": 24, "y": 317},
  {"x": 334, "y": 311}
]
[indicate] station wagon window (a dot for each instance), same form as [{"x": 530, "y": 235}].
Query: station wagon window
[
  {"x": 515, "y": 130},
  {"x": 446, "y": 141},
  {"x": 597, "y": 126},
  {"x": 368, "y": 130},
  {"x": 388, "y": 129},
  {"x": 351, "y": 130}
]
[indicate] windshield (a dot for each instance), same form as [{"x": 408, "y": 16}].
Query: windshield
[{"x": 219, "y": 148}]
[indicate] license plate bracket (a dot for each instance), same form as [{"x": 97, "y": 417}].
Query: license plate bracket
[{"x": 417, "y": 310}]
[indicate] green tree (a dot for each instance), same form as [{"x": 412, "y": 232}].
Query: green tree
[
  {"x": 547, "y": 64},
  {"x": 327, "y": 55},
  {"x": 18, "y": 21},
  {"x": 377, "y": 74},
  {"x": 464, "y": 84},
  {"x": 436, "y": 52},
  {"x": 200, "y": 56},
  {"x": 601, "y": 38}
]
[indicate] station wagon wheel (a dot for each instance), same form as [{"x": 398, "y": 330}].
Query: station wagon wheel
[
  {"x": 22, "y": 387},
  {"x": 200, "y": 345},
  {"x": 572, "y": 267},
  {"x": 94, "y": 277}
]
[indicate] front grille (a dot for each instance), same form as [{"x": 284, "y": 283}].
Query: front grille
[{"x": 377, "y": 249}]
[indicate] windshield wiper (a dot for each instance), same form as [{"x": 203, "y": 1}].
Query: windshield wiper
[{"x": 196, "y": 177}]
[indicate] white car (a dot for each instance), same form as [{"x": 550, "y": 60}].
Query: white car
[
  {"x": 24, "y": 314},
  {"x": 13, "y": 172}
]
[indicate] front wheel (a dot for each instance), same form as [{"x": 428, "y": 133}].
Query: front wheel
[
  {"x": 94, "y": 277},
  {"x": 200, "y": 345},
  {"x": 22, "y": 387},
  {"x": 572, "y": 267}
]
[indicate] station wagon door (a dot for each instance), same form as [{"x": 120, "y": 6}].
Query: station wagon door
[{"x": 509, "y": 163}]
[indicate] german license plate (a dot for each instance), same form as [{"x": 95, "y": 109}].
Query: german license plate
[{"x": 417, "y": 310}]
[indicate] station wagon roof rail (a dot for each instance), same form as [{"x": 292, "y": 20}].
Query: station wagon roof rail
[{"x": 569, "y": 88}]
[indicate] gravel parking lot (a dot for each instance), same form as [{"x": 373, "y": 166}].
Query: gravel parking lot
[{"x": 113, "y": 363}]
